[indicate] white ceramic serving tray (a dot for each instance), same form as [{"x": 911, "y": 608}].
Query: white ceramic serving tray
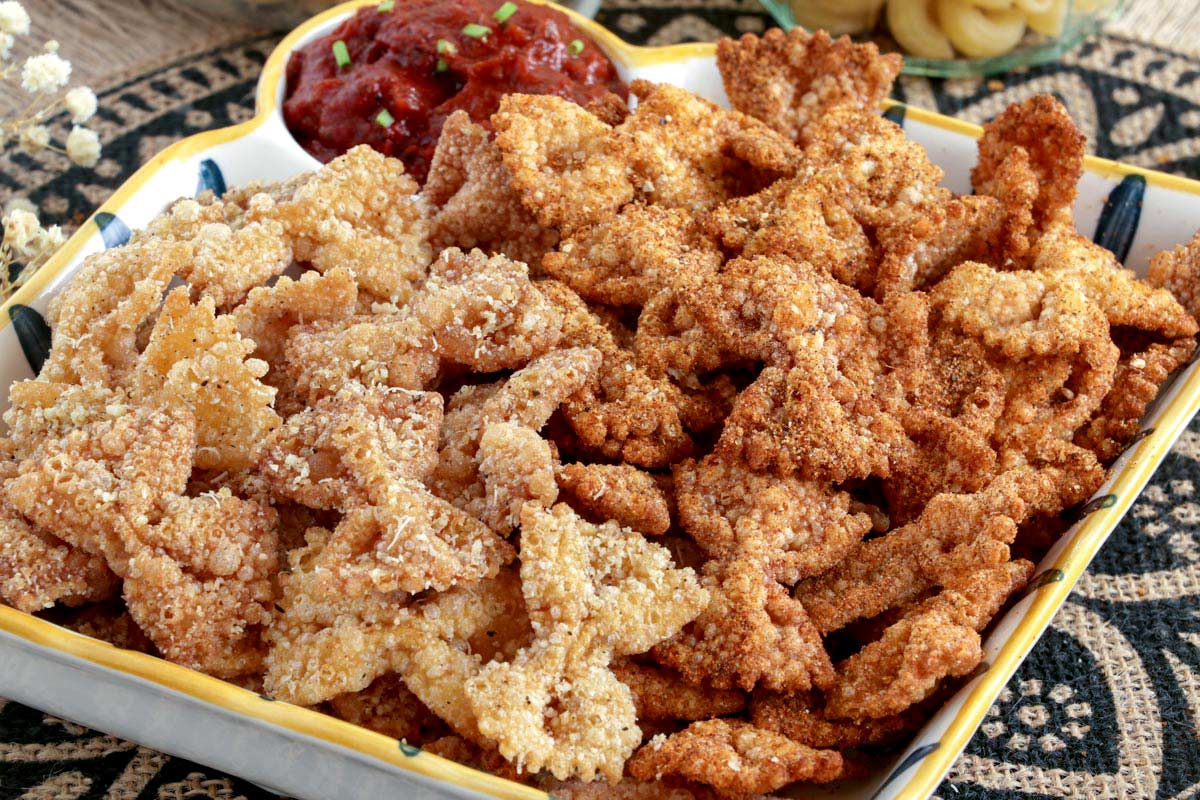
[{"x": 308, "y": 755}]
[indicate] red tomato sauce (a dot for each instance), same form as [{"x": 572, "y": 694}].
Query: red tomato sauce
[{"x": 398, "y": 89}]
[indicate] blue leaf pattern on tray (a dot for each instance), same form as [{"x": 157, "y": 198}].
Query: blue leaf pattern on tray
[
  {"x": 211, "y": 178},
  {"x": 909, "y": 761},
  {"x": 1118, "y": 222},
  {"x": 113, "y": 231},
  {"x": 896, "y": 114},
  {"x": 33, "y": 333}
]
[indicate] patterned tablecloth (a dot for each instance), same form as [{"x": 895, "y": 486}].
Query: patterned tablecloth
[{"x": 1108, "y": 703}]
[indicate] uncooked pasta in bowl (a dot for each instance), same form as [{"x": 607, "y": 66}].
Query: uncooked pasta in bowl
[{"x": 956, "y": 38}]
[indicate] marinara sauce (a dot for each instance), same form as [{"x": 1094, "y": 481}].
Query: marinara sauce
[{"x": 391, "y": 74}]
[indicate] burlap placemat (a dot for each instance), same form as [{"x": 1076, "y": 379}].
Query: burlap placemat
[{"x": 1106, "y": 706}]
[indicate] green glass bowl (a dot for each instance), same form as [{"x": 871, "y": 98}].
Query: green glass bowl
[{"x": 1033, "y": 49}]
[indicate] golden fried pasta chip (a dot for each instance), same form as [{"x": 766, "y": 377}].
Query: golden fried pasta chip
[
  {"x": 303, "y": 460},
  {"x": 564, "y": 162},
  {"x": 197, "y": 360},
  {"x": 485, "y": 313},
  {"x": 807, "y": 526},
  {"x": 360, "y": 211},
  {"x": 619, "y": 492},
  {"x": 609, "y": 593},
  {"x": 937, "y": 639},
  {"x": 735, "y": 758},
  {"x": 201, "y": 582},
  {"x": 477, "y": 204},
  {"x": 96, "y": 318},
  {"x": 1054, "y": 147},
  {"x": 788, "y": 80},
  {"x": 626, "y": 414},
  {"x": 98, "y": 486},
  {"x": 227, "y": 260}
]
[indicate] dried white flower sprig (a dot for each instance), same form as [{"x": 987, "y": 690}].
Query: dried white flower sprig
[{"x": 43, "y": 76}]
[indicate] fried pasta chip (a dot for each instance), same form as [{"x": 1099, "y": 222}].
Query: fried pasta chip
[
  {"x": 270, "y": 312},
  {"x": 626, "y": 414},
  {"x": 388, "y": 349},
  {"x": 751, "y": 633},
  {"x": 95, "y": 319},
  {"x": 40, "y": 410},
  {"x": 860, "y": 206},
  {"x": 807, "y": 527},
  {"x": 484, "y": 313},
  {"x": 200, "y": 583},
  {"x": 1135, "y": 385},
  {"x": 937, "y": 639},
  {"x": 364, "y": 452},
  {"x": 564, "y": 162},
  {"x": 305, "y": 459},
  {"x": 1015, "y": 185},
  {"x": 611, "y": 593},
  {"x": 1030, "y": 318},
  {"x": 526, "y": 400},
  {"x": 661, "y": 695},
  {"x": 626, "y": 258},
  {"x": 388, "y": 707},
  {"x": 323, "y": 644},
  {"x": 99, "y": 485},
  {"x": 226, "y": 261},
  {"x": 955, "y": 533},
  {"x": 444, "y": 641},
  {"x": 802, "y": 719},
  {"x": 619, "y": 492},
  {"x": 671, "y": 343},
  {"x": 198, "y": 361},
  {"x": 943, "y": 454},
  {"x": 517, "y": 467},
  {"x": 826, "y": 407},
  {"x": 918, "y": 250},
  {"x": 687, "y": 153},
  {"x": 1054, "y": 150},
  {"x": 38, "y": 570},
  {"x": 327, "y": 643},
  {"x": 1178, "y": 271},
  {"x": 788, "y": 80},
  {"x": 1154, "y": 332},
  {"x": 361, "y": 212},
  {"x": 735, "y": 758},
  {"x": 409, "y": 539},
  {"x": 477, "y": 204},
  {"x": 1126, "y": 301},
  {"x": 807, "y": 218},
  {"x": 676, "y": 338}
]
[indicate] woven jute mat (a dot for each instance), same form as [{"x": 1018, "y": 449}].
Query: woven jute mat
[{"x": 1108, "y": 703}]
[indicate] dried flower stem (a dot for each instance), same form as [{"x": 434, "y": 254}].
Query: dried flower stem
[{"x": 26, "y": 244}]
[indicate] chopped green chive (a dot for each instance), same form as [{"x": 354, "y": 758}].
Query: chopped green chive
[
  {"x": 385, "y": 6},
  {"x": 446, "y": 47},
  {"x": 442, "y": 66},
  {"x": 384, "y": 118},
  {"x": 476, "y": 31},
  {"x": 341, "y": 54},
  {"x": 505, "y": 11},
  {"x": 575, "y": 47}
]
